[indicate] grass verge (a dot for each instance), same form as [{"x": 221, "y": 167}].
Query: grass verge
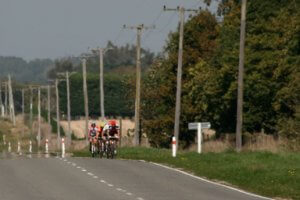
[{"x": 264, "y": 173}]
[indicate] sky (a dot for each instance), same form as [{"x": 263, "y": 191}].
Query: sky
[{"x": 58, "y": 28}]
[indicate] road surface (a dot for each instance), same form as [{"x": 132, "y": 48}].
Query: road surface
[{"x": 23, "y": 178}]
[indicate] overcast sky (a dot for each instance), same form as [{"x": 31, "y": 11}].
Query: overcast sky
[{"x": 57, "y": 28}]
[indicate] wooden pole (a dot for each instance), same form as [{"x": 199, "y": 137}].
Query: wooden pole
[
  {"x": 57, "y": 114},
  {"x": 85, "y": 92},
  {"x": 239, "y": 123}
]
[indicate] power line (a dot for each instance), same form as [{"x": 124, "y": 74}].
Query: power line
[
  {"x": 153, "y": 24},
  {"x": 118, "y": 36}
]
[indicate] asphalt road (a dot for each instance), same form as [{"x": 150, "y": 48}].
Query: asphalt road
[{"x": 23, "y": 178}]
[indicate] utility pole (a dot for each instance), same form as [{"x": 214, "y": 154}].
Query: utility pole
[
  {"x": 1, "y": 102},
  {"x": 49, "y": 108},
  {"x": 23, "y": 105},
  {"x": 69, "y": 109},
  {"x": 139, "y": 29},
  {"x": 67, "y": 78},
  {"x": 181, "y": 11},
  {"x": 239, "y": 121},
  {"x": 39, "y": 117},
  {"x": 101, "y": 52},
  {"x": 11, "y": 102},
  {"x": 31, "y": 106},
  {"x": 6, "y": 98},
  {"x": 86, "y": 103},
  {"x": 57, "y": 113}
]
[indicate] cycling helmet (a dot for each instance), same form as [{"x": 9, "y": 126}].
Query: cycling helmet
[
  {"x": 102, "y": 124},
  {"x": 112, "y": 123}
]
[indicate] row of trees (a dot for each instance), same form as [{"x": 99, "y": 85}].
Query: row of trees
[
  {"x": 118, "y": 75},
  {"x": 116, "y": 101},
  {"x": 23, "y": 71},
  {"x": 210, "y": 67},
  {"x": 272, "y": 71}
]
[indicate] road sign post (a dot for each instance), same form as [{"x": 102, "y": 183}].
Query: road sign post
[
  {"x": 199, "y": 126},
  {"x": 199, "y": 135}
]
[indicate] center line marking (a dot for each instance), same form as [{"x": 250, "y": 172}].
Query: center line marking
[
  {"x": 129, "y": 194},
  {"x": 95, "y": 176},
  {"x": 102, "y": 181},
  {"x": 110, "y": 185},
  {"x": 89, "y": 173},
  {"x": 83, "y": 170},
  {"x": 140, "y": 198},
  {"x": 78, "y": 167}
]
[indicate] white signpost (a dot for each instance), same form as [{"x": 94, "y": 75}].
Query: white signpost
[{"x": 199, "y": 126}]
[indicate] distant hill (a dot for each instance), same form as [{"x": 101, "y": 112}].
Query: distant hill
[{"x": 34, "y": 71}]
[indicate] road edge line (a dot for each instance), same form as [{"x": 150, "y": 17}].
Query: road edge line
[{"x": 208, "y": 181}]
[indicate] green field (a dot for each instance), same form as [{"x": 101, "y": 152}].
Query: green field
[{"x": 264, "y": 173}]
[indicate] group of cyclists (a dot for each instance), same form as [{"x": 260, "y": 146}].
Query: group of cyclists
[{"x": 103, "y": 138}]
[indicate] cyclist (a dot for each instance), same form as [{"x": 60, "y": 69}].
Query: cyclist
[
  {"x": 111, "y": 134},
  {"x": 100, "y": 137},
  {"x": 111, "y": 129},
  {"x": 93, "y": 134}
]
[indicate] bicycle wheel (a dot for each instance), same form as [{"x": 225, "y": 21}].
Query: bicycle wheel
[
  {"x": 93, "y": 150},
  {"x": 108, "y": 151},
  {"x": 112, "y": 151},
  {"x": 101, "y": 149}
]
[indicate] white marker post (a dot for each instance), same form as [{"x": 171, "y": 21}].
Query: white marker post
[
  {"x": 199, "y": 126},
  {"x": 63, "y": 147},
  {"x": 46, "y": 147},
  {"x": 30, "y": 147},
  {"x": 174, "y": 146},
  {"x": 19, "y": 147},
  {"x": 9, "y": 147}
]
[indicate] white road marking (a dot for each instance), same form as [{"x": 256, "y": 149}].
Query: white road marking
[
  {"x": 214, "y": 183},
  {"x": 102, "y": 181}
]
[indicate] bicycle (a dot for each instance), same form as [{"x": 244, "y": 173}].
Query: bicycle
[
  {"x": 101, "y": 147},
  {"x": 111, "y": 147},
  {"x": 94, "y": 147}
]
